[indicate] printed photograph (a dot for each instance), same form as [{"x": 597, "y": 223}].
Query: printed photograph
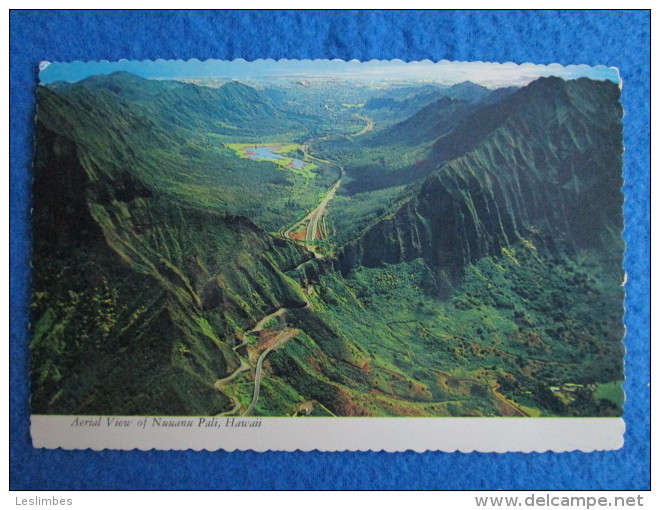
[{"x": 327, "y": 239}]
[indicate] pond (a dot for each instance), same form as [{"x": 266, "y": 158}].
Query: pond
[{"x": 269, "y": 153}]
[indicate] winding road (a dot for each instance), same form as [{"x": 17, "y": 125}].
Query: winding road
[
  {"x": 365, "y": 129},
  {"x": 241, "y": 368},
  {"x": 312, "y": 234},
  {"x": 283, "y": 337}
]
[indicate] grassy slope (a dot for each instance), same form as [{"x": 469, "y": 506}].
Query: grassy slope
[
  {"x": 169, "y": 280},
  {"x": 518, "y": 323},
  {"x": 137, "y": 296},
  {"x": 180, "y": 150}
]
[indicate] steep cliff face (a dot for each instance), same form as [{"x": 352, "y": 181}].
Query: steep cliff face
[
  {"x": 149, "y": 267},
  {"x": 544, "y": 162},
  {"x": 226, "y": 108},
  {"x": 427, "y": 124},
  {"x": 138, "y": 300}
]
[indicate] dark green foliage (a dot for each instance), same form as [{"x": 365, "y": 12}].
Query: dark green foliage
[
  {"x": 132, "y": 290},
  {"x": 167, "y": 138},
  {"x": 473, "y": 263},
  {"x": 429, "y": 123},
  {"x": 398, "y": 103}
]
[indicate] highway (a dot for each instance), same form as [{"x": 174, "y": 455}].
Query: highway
[
  {"x": 312, "y": 220},
  {"x": 316, "y": 215},
  {"x": 367, "y": 128},
  {"x": 312, "y": 234},
  {"x": 284, "y": 336}
]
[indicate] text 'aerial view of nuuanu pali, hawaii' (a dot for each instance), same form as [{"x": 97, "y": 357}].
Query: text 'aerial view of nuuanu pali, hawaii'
[{"x": 327, "y": 238}]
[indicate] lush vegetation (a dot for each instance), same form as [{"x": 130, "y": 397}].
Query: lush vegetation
[{"x": 470, "y": 263}]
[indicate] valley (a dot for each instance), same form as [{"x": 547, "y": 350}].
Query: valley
[
  {"x": 308, "y": 228},
  {"x": 294, "y": 248}
]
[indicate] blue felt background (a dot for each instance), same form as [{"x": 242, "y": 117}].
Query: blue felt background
[{"x": 618, "y": 39}]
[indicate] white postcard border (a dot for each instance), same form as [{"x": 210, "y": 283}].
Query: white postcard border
[{"x": 327, "y": 434}]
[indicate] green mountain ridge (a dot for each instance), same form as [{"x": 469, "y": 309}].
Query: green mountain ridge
[
  {"x": 479, "y": 281},
  {"x": 144, "y": 270},
  {"x": 227, "y": 108},
  {"x": 429, "y": 123},
  {"x": 484, "y": 196},
  {"x": 412, "y": 99}
]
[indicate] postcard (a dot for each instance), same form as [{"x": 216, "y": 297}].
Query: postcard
[{"x": 330, "y": 255}]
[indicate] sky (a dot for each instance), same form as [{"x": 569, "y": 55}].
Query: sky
[{"x": 492, "y": 75}]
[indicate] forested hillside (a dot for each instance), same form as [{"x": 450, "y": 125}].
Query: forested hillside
[{"x": 244, "y": 250}]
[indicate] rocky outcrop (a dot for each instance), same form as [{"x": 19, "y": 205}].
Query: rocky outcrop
[
  {"x": 545, "y": 163},
  {"x": 151, "y": 293}
]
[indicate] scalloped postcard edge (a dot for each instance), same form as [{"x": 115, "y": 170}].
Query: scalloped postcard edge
[{"x": 339, "y": 434}]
